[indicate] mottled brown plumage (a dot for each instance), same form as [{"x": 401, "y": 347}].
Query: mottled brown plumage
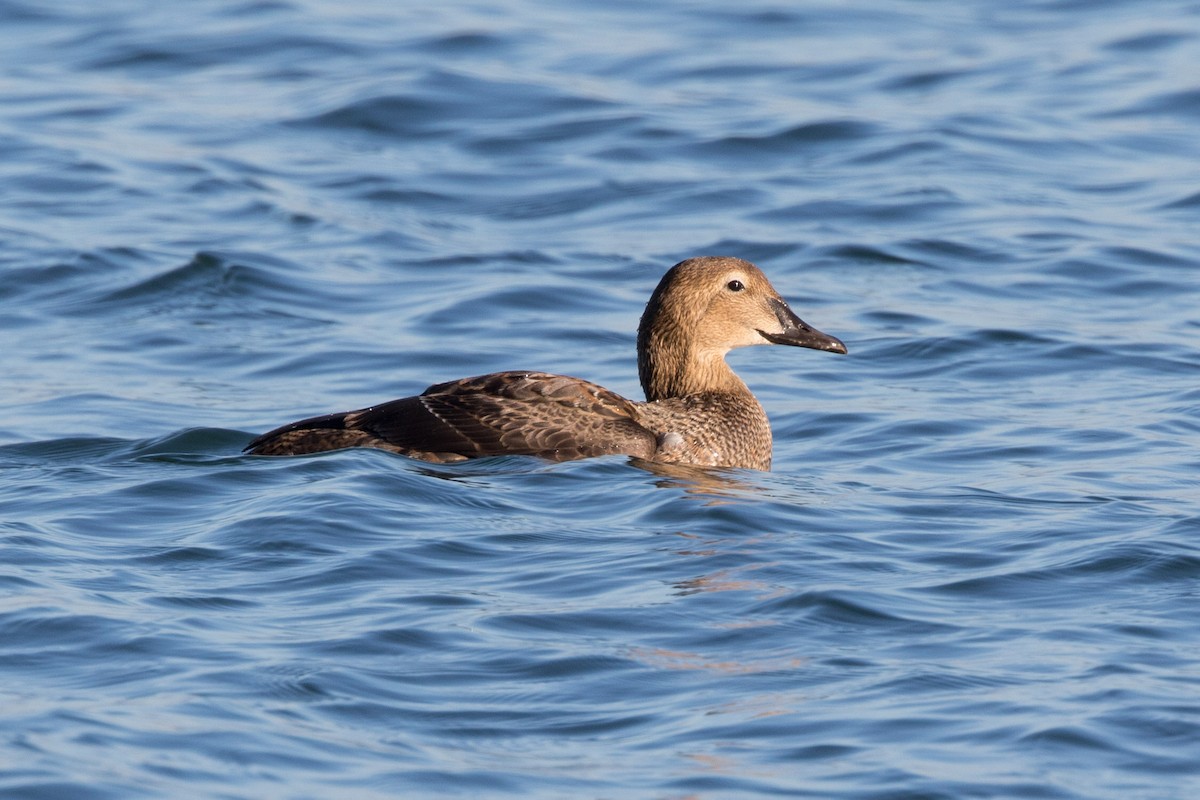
[{"x": 697, "y": 411}]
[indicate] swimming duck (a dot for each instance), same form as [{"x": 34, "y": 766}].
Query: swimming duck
[{"x": 697, "y": 411}]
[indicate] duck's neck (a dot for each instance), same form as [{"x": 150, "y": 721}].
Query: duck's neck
[{"x": 670, "y": 368}]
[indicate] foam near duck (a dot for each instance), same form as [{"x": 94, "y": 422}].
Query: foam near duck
[{"x": 697, "y": 410}]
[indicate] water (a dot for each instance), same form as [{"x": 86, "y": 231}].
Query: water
[{"x": 973, "y": 571}]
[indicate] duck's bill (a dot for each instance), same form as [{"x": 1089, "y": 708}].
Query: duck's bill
[
  {"x": 798, "y": 333},
  {"x": 806, "y": 337}
]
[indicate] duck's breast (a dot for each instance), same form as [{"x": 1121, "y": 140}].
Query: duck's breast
[{"x": 709, "y": 429}]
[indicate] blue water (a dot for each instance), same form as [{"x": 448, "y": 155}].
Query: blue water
[{"x": 974, "y": 571}]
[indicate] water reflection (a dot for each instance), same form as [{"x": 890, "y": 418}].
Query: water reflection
[{"x": 719, "y": 485}]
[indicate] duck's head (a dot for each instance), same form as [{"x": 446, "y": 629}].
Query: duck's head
[{"x": 703, "y": 308}]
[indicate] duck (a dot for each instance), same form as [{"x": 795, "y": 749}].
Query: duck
[{"x": 697, "y": 411}]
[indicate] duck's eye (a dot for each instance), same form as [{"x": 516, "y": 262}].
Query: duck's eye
[{"x": 734, "y": 286}]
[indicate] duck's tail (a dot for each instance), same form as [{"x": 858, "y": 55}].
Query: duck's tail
[{"x": 312, "y": 435}]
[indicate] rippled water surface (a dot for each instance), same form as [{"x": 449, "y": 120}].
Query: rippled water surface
[{"x": 973, "y": 572}]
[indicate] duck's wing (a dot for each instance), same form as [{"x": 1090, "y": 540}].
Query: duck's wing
[{"x": 505, "y": 413}]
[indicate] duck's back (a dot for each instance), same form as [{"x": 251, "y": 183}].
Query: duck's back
[{"x": 506, "y": 413}]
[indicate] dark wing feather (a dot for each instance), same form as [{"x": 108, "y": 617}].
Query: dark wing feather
[{"x": 514, "y": 413}]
